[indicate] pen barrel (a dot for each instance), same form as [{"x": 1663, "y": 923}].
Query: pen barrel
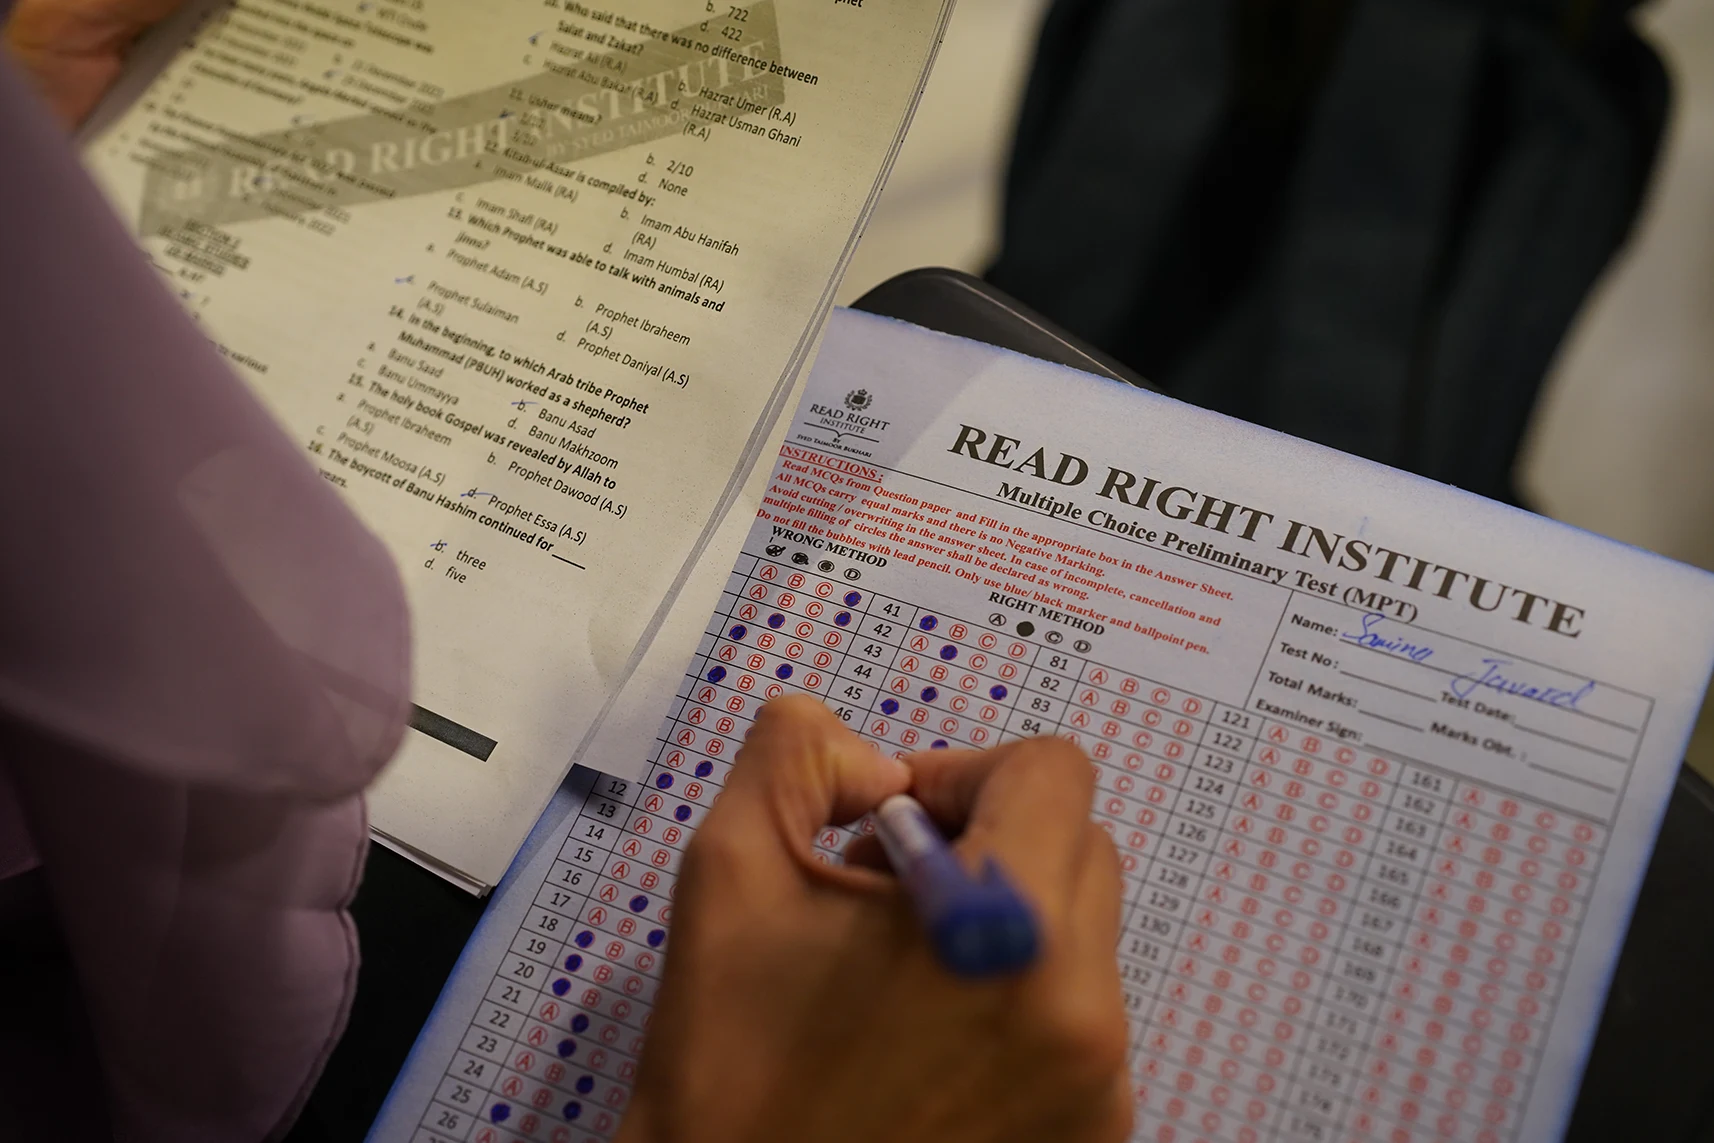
[
  {"x": 907, "y": 835},
  {"x": 979, "y": 926}
]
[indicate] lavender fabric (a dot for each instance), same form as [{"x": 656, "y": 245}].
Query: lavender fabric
[{"x": 203, "y": 660}]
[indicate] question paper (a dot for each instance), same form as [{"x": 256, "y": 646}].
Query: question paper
[{"x": 530, "y": 281}]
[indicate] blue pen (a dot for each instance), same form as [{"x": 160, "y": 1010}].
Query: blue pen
[{"x": 978, "y": 926}]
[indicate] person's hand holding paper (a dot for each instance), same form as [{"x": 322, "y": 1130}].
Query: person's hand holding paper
[{"x": 73, "y": 50}]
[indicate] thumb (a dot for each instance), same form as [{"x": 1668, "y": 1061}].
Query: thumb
[{"x": 799, "y": 770}]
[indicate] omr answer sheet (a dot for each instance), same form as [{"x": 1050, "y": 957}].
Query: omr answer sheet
[
  {"x": 530, "y": 281},
  {"x": 1383, "y": 761}
]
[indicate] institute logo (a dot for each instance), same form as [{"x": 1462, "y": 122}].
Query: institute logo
[{"x": 848, "y": 425}]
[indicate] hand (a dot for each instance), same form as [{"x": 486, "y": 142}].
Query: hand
[
  {"x": 73, "y": 49},
  {"x": 801, "y": 1001}
]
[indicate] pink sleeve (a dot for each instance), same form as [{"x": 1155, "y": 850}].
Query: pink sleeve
[{"x": 204, "y": 659}]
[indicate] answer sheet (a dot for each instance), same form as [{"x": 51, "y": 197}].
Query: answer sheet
[
  {"x": 1383, "y": 760},
  {"x": 530, "y": 281}
]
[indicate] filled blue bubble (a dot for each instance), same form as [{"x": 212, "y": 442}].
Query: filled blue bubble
[
  {"x": 585, "y": 1085},
  {"x": 664, "y": 782},
  {"x": 584, "y": 939},
  {"x": 784, "y": 671},
  {"x": 853, "y": 598},
  {"x": 566, "y": 1048},
  {"x": 639, "y": 903},
  {"x": 580, "y": 1023},
  {"x": 937, "y": 744},
  {"x": 656, "y": 936},
  {"x": 929, "y": 694},
  {"x": 573, "y": 963},
  {"x": 997, "y": 692},
  {"x": 561, "y": 986},
  {"x": 704, "y": 769},
  {"x": 682, "y": 813},
  {"x": 843, "y": 619},
  {"x": 716, "y": 674},
  {"x": 928, "y": 623},
  {"x": 776, "y": 620},
  {"x": 890, "y": 706},
  {"x": 573, "y": 1109},
  {"x": 738, "y": 631},
  {"x": 500, "y": 1112},
  {"x": 949, "y": 652}
]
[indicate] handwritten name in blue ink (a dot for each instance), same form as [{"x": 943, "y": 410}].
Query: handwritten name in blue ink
[
  {"x": 1382, "y": 641},
  {"x": 1494, "y": 675}
]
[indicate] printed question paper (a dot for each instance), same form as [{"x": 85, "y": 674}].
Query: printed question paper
[{"x": 530, "y": 281}]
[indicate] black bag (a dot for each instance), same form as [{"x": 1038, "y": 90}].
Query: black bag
[{"x": 1363, "y": 222}]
